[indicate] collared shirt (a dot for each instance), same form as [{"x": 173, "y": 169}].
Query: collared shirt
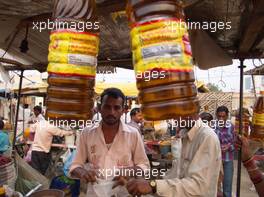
[
  {"x": 134, "y": 124},
  {"x": 127, "y": 150},
  {"x": 226, "y": 136},
  {"x": 38, "y": 118},
  {"x": 44, "y": 133},
  {"x": 199, "y": 166}
]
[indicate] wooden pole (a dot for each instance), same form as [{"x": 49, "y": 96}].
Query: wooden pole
[
  {"x": 254, "y": 86},
  {"x": 240, "y": 125},
  {"x": 17, "y": 108}
]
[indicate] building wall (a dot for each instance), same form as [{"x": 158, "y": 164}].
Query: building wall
[
  {"x": 210, "y": 101},
  {"x": 248, "y": 83}
]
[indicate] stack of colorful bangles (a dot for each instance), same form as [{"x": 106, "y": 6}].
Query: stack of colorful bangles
[{"x": 251, "y": 167}]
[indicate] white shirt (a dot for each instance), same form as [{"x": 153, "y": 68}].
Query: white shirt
[
  {"x": 44, "y": 133},
  {"x": 38, "y": 118},
  {"x": 200, "y": 166},
  {"x": 127, "y": 150}
]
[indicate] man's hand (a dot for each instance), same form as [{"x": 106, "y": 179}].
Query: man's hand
[
  {"x": 138, "y": 187},
  {"x": 225, "y": 147},
  {"x": 126, "y": 173},
  {"x": 89, "y": 176},
  {"x": 123, "y": 176},
  {"x": 120, "y": 181}
]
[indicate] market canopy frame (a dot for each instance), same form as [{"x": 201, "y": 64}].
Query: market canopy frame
[{"x": 245, "y": 40}]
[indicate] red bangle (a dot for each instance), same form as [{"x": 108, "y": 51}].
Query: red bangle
[
  {"x": 248, "y": 160},
  {"x": 249, "y": 164},
  {"x": 257, "y": 179}
]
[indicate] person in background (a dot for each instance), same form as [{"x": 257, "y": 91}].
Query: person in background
[
  {"x": 207, "y": 118},
  {"x": 43, "y": 108},
  {"x": 97, "y": 115},
  {"x": 199, "y": 169},
  {"x": 249, "y": 163},
  {"x": 44, "y": 132},
  {"x": 4, "y": 139},
  {"x": 27, "y": 112},
  {"x": 111, "y": 144},
  {"x": 136, "y": 119},
  {"x": 225, "y": 131},
  {"x": 37, "y": 116}
]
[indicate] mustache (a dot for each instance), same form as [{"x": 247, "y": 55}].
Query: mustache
[{"x": 110, "y": 116}]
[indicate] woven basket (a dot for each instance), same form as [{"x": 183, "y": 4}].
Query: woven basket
[{"x": 8, "y": 174}]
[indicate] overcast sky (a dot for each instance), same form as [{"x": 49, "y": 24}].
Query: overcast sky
[{"x": 226, "y": 77}]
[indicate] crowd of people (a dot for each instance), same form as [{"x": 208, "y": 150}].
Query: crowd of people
[
  {"x": 231, "y": 142},
  {"x": 207, "y": 152}
]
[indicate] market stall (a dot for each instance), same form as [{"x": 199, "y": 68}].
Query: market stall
[{"x": 115, "y": 35}]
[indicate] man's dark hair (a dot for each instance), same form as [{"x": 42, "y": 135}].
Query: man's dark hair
[
  {"x": 2, "y": 124},
  {"x": 113, "y": 92},
  {"x": 206, "y": 116},
  {"x": 222, "y": 109},
  {"x": 38, "y": 108},
  {"x": 134, "y": 111}
]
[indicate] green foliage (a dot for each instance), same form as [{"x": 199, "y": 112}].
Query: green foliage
[{"x": 213, "y": 87}]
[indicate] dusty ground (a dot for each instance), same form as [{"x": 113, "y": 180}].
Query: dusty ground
[{"x": 245, "y": 183}]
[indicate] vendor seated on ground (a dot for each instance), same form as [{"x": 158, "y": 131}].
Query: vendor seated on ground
[
  {"x": 37, "y": 116},
  {"x": 44, "y": 132},
  {"x": 4, "y": 139},
  {"x": 136, "y": 119}
]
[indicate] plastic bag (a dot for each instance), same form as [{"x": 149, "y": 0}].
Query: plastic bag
[
  {"x": 176, "y": 150},
  {"x": 28, "y": 155},
  {"x": 68, "y": 162},
  {"x": 26, "y": 172},
  {"x": 104, "y": 188},
  {"x": 65, "y": 155}
]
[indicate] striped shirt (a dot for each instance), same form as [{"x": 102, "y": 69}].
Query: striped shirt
[{"x": 226, "y": 137}]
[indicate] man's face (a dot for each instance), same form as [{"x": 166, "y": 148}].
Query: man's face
[
  {"x": 36, "y": 112},
  {"x": 111, "y": 110},
  {"x": 222, "y": 116},
  {"x": 138, "y": 118}
]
